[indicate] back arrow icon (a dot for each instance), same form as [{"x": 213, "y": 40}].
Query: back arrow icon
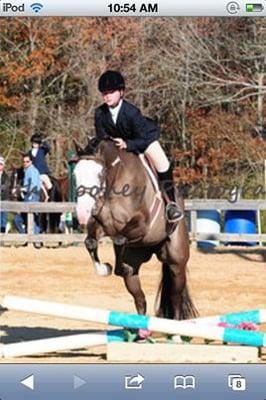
[{"x": 28, "y": 382}]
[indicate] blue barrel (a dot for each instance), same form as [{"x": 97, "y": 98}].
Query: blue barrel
[
  {"x": 208, "y": 221},
  {"x": 240, "y": 221}
]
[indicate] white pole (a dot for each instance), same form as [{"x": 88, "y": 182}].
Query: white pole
[
  {"x": 55, "y": 309},
  {"x": 163, "y": 325},
  {"x": 60, "y": 343}
]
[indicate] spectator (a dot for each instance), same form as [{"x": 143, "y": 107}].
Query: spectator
[
  {"x": 30, "y": 192},
  {"x": 4, "y": 193},
  {"x": 39, "y": 150}
]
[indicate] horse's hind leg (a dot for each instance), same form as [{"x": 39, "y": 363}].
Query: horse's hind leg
[
  {"x": 175, "y": 301},
  {"x": 134, "y": 257},
  {"x": 43, "y": 223},
  {"x": 130, "y": 275},
  {"x": 172, "y": 290},
  {"x": 133, "y": 286},
  {"x": 53, "y": 222}
]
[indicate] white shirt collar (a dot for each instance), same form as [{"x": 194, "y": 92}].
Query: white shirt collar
[
  {"x": 115, "y": 111},
  {"x": 34, "y": 152}
]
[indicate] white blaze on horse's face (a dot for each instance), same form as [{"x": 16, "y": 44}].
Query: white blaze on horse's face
[{"x": 87, "y": 174}]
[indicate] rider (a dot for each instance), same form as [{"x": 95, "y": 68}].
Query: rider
[
  {"x": 132, "y": 131},
  {"x": 38, "y": 151}
]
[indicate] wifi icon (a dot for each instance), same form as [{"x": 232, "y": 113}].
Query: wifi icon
[{"x": 36, "y": 7}]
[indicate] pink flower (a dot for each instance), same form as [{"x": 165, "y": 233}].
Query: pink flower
[
  {"x": 248, "y": 326},
  {"x": 144, "y": 333},
  {"x": 226, "y": 325}
]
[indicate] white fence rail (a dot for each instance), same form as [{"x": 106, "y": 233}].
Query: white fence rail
[{"x": 191, "y": 205}]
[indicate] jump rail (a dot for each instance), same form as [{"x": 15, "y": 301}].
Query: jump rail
[
  {"x": 134, "y": 321},
  {"x": 61, "y": 343}
]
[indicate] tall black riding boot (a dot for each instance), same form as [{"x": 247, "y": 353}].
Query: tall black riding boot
[{"x": 173, "y": 211}]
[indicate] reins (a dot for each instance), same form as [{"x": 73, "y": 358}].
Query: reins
[{"x": 116, "y": 162}]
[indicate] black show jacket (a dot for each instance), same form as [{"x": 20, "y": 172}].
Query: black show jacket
[{"x": 131, "y": 126}]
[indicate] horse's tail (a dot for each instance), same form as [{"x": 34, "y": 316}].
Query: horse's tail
[
  {"x": 164, "y": 301},
  {"x": 56, "y": 194}
]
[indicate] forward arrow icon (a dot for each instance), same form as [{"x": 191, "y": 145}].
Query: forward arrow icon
[{"x": 78, "y": 382}]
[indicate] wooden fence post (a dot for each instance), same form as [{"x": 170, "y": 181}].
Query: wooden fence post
[
  {"x": 30, "y": 223},
  {"x": 194, "y": 228}
]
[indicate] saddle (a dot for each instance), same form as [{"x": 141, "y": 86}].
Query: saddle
[{"x": 161, "y": 198}]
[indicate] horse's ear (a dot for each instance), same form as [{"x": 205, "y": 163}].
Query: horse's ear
[
  {"x": 92, "y": 145},
  {"x": 79, "y": 149}
]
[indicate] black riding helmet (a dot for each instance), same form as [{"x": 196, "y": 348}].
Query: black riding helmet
[
  {"x": 36, "y": 138},
  {"x": 111, "y": 80}
]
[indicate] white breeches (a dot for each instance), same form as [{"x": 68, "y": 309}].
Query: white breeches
[
  {"x": 158, "y": 157},
  {"x": 46, "y": 181}
]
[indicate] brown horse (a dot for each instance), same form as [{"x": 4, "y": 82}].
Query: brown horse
[{"x": 117, "y": 198}]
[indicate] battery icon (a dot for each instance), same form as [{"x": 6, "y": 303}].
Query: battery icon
[{"x": 254, "y": 7}]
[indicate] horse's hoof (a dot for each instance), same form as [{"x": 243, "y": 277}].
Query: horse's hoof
[
  {"x": 177, "y": 339},
  {"x": 125, "y": 271},
  {"x": 103, "y": 269}
]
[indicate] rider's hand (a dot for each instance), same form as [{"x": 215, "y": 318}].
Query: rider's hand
[{"x": 120, "y": 143}]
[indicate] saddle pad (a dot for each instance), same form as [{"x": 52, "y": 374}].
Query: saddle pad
[
  {"x": 158, "y": 200},
  {"x": 151, "y": 173}
]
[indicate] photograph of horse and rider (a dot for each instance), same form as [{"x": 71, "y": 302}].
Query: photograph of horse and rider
[{"x": 129, "y": 143}]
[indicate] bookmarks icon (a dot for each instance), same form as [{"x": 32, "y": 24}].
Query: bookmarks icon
[{"x": 184, "y": 382}]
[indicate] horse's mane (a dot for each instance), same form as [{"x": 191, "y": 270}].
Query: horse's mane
[
  {"x": 103, "y": 150},
  {"x": 108, "y": 151},
  {"x": 91, "y": 147}
]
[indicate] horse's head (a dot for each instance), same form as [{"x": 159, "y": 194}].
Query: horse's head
[
  {"x": 94, "y": 162},
  {"x": 16, "y": 182},
  {"x": 88, "y": 173}
]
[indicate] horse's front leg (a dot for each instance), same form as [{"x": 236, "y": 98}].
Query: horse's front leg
[
  {"x": 121, "y": 268},
  {"x": 95, "y": 232}
]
